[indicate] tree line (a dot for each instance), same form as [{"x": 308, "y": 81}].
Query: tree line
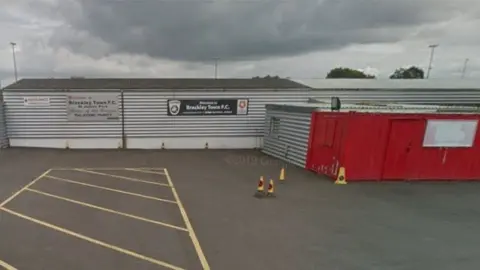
[{"x": 412, "y": 72}]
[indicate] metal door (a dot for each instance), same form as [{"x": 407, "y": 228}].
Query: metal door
[
  {"x": 405, "y": 140},
  {"x": 326, "y": 146}
]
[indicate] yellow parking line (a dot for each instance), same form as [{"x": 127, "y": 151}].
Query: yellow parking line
[
  {"x": 107, "y": 210},
  {"x": 189, "y": 226},
  {"x": 122, "y": 177},
  {"x": 144, "y": 171},
  {"x": 7, "y": 266},
  {"x": 101, "y": 168},
  {"x": 93, "y": 241},
  {"x": 23, "y": 188},
  {"x": 110, "y": 189}
]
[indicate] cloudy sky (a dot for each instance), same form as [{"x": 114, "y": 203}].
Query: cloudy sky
[{"x": 181, "y": 38}]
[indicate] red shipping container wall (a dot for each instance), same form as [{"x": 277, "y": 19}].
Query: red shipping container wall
[{"x": 390, "y": 146}]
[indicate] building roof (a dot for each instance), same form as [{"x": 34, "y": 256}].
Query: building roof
[
  {"x": 153, "y": 84},
  {"x": 373, "y": 108},
  {"x": 391, "y": 84}
]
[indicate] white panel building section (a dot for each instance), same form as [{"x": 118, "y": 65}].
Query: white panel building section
[
  {"x": 147, "y": 125},
  {"x": 47, "y": 126}
]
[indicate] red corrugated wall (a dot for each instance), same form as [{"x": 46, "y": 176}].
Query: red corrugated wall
[
  {"x": 325, "y": 143},
  {"x": 365, "y": 146},
  {"x": 387, "y": 147}
]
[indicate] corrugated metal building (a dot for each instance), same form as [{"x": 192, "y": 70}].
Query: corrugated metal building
[
  {"x": 37, "y": 116},
  {"x": 3, "y": 127},
  {"x": 413, "y": 91},
  {"x": 36, "y": 109},
  {"x": 287, "y": 128},
  {"x": 396, "y": 144}
]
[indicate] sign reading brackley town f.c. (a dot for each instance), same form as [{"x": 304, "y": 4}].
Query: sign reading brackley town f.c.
[{"x": 199, "y": 107}]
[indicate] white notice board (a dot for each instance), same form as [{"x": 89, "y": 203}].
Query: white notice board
[
  {"x": 36, "y": 101},
  {"x": 450, "y": 133}
]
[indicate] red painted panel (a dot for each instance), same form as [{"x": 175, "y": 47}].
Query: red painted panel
[
  {"x": 445, "y": 163},
  {"x": 324, "y": 154},
  {"x": 365, "y": 146},
  {"x": 460, "y": 163},
  {"x": 387, "y": 146},
  {"x": 404, "y": 144}
]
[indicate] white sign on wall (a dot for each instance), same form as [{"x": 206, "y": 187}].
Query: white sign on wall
[
  {"x": 450, "y": 133},
  {"x": 242, "y": 106},
  {"x": 36, "y": 101},
  {"x": 92, "y": 107}
]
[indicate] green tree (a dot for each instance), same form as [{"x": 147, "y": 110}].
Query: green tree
[
  {"x": 266, "y": 77},
  {"x": 408, "y": 73},
  {"x": 348, "y": 73}
]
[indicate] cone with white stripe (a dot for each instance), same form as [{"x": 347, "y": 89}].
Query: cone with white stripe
[
  {"x": 341, "y": 177},
  {"x": 260, "y": 188},
  {"x": 271, "y": 189}
]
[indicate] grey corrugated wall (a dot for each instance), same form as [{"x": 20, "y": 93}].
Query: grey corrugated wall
[
  {"x": 145, "y": 112},
  {"x": 51, "y": 121},
  {"x": 3, "y": 127},
  {"x": 291, "y": 144},
  {"x": 145, "y": 115},
  {"x": 406, "y": 96}
]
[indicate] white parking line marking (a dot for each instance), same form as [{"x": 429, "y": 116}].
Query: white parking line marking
[
  {"x": 92, "y": 240},
  {"x": 192, "y": 234},
  {"x": 122, "y": 177},
  {"x": 107, "y": 210},
  {"x": 102, "y": 168},
  {"x": 110, "y": 189},
  {"x": 25, "y": 187},
  {"x": 143, "y": 171},
  {"x": 7, "y": 266}
]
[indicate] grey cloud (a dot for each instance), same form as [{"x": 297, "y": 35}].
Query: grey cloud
[{"x": 239, "y": 30}]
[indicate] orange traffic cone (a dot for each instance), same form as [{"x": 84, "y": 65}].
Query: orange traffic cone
[
  {"x": 282, "y": 175},
  {"x": 341, "y": 178},
  {"x": 271, "y": 189},
  {"x": 260, "y": 188}
]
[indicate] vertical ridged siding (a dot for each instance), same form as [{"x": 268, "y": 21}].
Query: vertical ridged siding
[
  {"x": 3, "y": 127},
  {"x": 292, "y": 142},
  {"x": 146, "y": 114},
  {"x": 406, "y": 96},
  {"x": 51, "y": 122}
]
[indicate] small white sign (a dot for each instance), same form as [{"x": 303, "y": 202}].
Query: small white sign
[
  {"x": 36, "y": 101},
  {"x": 242, "y": 106},
  {"x": 450, "y": 133},
  {"x": 92, "y": 107}
]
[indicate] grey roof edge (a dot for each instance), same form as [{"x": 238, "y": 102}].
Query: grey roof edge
[
  {"x": 375, "y": 108},
  {"x": 155, "y": 84},
  {"x": 391, "y": 84},
  {"x": 305, "y": 108},
  {"x": 158, "y": 90}
]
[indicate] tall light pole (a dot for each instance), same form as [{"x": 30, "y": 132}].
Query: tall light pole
[
  {"x": 14, "y": 60},
  {"x": 464, "y": 67},
  {"x": 432, "y": 47}
]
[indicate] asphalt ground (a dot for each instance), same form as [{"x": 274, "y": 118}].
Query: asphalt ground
[{"x": 60, "y": 221}]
